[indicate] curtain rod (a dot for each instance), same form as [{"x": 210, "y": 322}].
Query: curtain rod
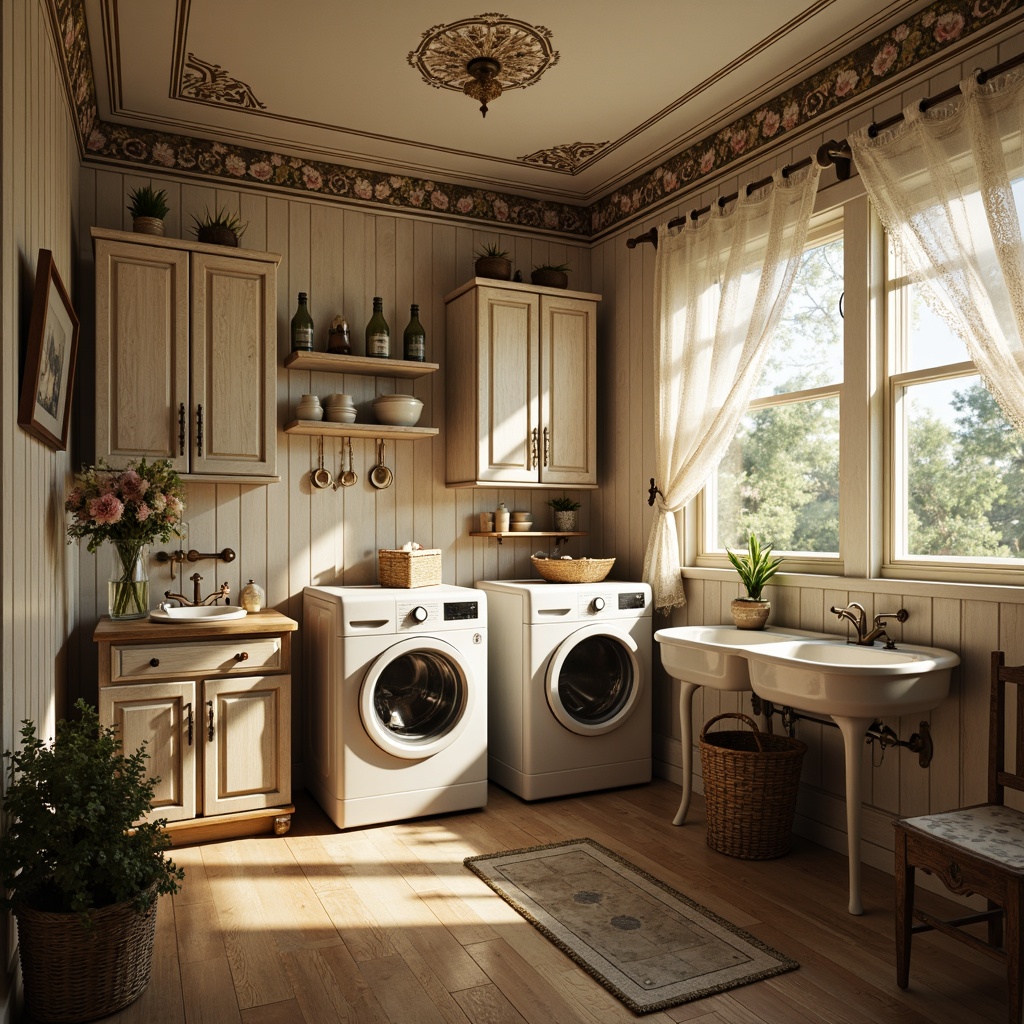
[{"x": 833, "y": 152}]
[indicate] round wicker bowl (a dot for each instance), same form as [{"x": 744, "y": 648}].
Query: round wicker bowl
[{"x": 574, "y": 570}]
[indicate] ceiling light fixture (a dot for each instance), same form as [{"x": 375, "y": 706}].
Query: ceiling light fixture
[{"x": 484, "y": 56}]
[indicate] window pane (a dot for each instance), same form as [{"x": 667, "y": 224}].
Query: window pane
[
  {"x": 807, "y": 351},
  {"x": 964, "y": 475},
  {"x": 931, "y": 342},
  {"x": 780, "y": 479}
]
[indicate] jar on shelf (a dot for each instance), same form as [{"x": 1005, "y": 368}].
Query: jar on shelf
[
  {"x": 309, "y": 408},
  {"x": 338, "y": 340},
  {"x": 253, "y": 597}
]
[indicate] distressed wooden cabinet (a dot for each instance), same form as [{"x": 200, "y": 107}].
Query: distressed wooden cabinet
[
  {"x": 186, "y": 356},
  {"x": 521, "y": 386},
  {"x": 213, "y": 704}
]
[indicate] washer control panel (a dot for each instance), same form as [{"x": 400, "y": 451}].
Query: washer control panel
[{"x": 420, "y": 611}]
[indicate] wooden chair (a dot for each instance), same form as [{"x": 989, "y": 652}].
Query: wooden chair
[{"x": 976, "y": 849}]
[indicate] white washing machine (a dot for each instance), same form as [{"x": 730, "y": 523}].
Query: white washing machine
[
  {"x": 396, "y": 689},
  {"x": 569, "y": 686}
]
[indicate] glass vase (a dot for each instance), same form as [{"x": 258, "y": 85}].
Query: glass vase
[{"x": 128, "y": 589}]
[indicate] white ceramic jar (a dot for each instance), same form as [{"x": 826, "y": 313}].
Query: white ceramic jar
[{"x": 309, "y": 408}]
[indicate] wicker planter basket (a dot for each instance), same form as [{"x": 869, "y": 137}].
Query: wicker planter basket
[
  {"x": 74, "y": 973},
  {"x": 573, "y": 570},
  {"x": 750, "y": 788},
  {"x": 407, "y": 569}
]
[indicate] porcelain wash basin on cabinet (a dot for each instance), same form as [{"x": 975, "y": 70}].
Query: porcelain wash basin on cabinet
[{"x": 198, "y": 613}]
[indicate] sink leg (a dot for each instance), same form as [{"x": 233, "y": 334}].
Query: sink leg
[
  {"x": 853, "y": 730},
  {"x": 686, "y": 692}
]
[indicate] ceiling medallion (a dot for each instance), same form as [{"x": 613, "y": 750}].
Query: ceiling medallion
[
  {"x": 210, "y": 83},
  {"x": 483, "y": 56},
  {"x": 564, "y": 158}
]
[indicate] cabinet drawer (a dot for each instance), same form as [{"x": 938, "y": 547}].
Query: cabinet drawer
[{"x": 243, "y": 656}]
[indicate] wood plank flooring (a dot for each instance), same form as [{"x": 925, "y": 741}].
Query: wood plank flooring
[{"x": 384, "y": 925}]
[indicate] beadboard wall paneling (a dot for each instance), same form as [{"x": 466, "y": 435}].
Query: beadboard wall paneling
[
  {"x": 972, "y": 621},
  {"x": 289, "y": 535}
]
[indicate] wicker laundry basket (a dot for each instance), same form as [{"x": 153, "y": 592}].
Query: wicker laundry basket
[
  {"x": 750, "y": 788},
  {"x": 407, "y": 569}
]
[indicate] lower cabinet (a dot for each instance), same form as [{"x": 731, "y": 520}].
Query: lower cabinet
[{"x": 215, "y": 716}]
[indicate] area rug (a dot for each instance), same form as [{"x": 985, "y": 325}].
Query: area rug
[{"x": 650, "y": 946}]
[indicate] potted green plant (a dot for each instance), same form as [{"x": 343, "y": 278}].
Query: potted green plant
[
  {"x": 755, "y": 568},
  {"x": 219, "y": 228},
  {"x": 551, "y": 275},
  {"x": 565, "y": 510},
  {"x": 493, "y": 262},
  {"x": 82, "y": 868},
  {"x": 148, "y": 207}
]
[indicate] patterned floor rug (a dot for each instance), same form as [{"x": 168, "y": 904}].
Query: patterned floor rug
[{"x": 650, "y": 946}]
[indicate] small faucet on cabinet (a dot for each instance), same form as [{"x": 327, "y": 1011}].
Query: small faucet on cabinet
[
  {"x": 866, "y": 637},
  {"x": 224, "y": 590}
]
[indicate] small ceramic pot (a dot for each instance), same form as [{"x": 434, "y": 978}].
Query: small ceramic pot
[
  {"x": 309, "y": 408},
  {"x": 749, "y": 614}
]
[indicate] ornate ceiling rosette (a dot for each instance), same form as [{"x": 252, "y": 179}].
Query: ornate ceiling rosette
[
  {"x": 483, "y": 56},
  {"x": 565, "y": 158}
]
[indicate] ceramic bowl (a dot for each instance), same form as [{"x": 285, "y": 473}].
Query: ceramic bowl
[
  {"x": 521, "y": 525},
  {"x": 520, "y": 517},
  {"x": 397, "y": 410},
  {"x": 340, "y": 414}
]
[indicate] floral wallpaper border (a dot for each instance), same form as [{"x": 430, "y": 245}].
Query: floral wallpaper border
[{"x": 942, "y": 24}]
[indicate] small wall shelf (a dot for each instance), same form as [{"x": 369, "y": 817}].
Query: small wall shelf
[
  {"x": 561, "y": 536},
  {"x": 325, "y": 428},
  {"x": 363, "y": 366}
]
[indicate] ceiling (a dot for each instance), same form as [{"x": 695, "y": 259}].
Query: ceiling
[{"x": 332, "y": 80}]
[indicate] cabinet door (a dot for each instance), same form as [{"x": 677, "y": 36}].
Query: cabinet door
[
  {"x": 142, "y": 340},
  {"x": 508, "y": 429},
  {"x": 568, "y": 387},
  {"x": 234, "y": 377},
  {"x": 246, "y": 731},
  {"x": 161, "y": 715}
]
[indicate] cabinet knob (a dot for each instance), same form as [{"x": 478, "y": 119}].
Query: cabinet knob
[
  {"x": 154, "y": 662},
  {"x": 242, "y": 656}
]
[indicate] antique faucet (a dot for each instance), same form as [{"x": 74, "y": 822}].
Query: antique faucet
[
  {"x": 224, "y": 590},
  {"x": 866, "y": 637}
]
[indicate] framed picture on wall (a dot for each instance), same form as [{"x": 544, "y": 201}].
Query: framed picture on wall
[{"x": 45, "y": 407}]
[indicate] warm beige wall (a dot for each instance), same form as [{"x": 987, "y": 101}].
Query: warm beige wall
[{"x": 39, "y": 189}]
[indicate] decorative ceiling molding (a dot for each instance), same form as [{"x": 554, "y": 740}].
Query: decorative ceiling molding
[
  {"x": 523, "y": 51},
  {"x": 210, "y": 83},
  {"x": 567, "y": 158}
]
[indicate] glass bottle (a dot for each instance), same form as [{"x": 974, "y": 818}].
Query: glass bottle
[
  {"x": 378, "y": 334},
  {"x": 302, "y": 327},
  {"x": 414, "y": 341},
  {"x": 337, "y": 336}
]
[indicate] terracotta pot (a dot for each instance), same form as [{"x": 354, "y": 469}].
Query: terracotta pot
[
  {"x": 217, "y": 236},
  {"x": 748, "y": 613},
  {"x": 550, "y": 278},
  {"x": 495, "y": 267},
  {"x": 148, "y": 225}
]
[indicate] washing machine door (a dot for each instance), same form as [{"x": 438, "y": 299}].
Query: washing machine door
[
  {"x": 594, "y": 680},
  {"x": 417, "y": 697}
]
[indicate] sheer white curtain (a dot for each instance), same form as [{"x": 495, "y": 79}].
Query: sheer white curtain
[
  {"x": 719, "y": 288},
  {"x": 941, "y": 183}
]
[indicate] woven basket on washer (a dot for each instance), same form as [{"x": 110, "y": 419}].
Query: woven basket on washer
[
  {"x": 750, "y": 788},
  {"x": 78, "y": 973},
  {"x": 573, "y": 570},
  {"x": 408, "y": 569}
]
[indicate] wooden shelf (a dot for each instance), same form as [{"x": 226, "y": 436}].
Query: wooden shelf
[
  {"x": 381, "y": 431},
  {"x": 561, "y": 535},
  {"x": 363, "y": 366}
]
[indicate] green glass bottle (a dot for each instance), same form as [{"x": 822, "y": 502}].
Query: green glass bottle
[
  {"x": 378, "y": 334},
  {"x": 414, "y": 341},
  {"x": 302, "y": 327}
]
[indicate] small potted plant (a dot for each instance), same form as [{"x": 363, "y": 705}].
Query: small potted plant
[
  {"x": 565, "y": 510},
  {"x": 219, "y": 228},
  {"x": 551, "y": 275},
  {"x": 492, "y": 262},
  {"x": 148, "y": 207},
  {"x": 756, "y": 568},
  {"x": 82, "y": 869}
]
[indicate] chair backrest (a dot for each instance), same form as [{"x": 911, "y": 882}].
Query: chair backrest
[{"x": 1001, "y": 775}]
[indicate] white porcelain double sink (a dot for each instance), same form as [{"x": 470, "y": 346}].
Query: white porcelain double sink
[{"x": 816, "y": 673}]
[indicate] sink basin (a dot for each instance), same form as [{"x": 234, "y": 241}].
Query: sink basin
[
  {"x": 715, "y": 656},
  {"x": 201, "y": 613},
  {"x": 831, "y": 677}
]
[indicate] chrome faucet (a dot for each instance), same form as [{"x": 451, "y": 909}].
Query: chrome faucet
[
  {"x": 866, "y": 637},
  {"x": 223, "y": 590}
]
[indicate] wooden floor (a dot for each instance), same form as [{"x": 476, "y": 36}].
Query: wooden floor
[{"x": 384, "y": 924}]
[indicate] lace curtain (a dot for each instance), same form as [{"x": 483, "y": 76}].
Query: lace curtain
[
  {"x": 941, "y": 183},
  {"x": 719, "y": 289}
]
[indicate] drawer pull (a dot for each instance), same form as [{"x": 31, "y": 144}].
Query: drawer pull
[
  {"x": 154, "y": 662},
  {"x": 188, "y": 719},
  {"x": 242, "y": 656},
  {"x": 209, "y": 731}
]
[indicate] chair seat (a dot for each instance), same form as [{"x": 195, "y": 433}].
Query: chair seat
[{"x": 992, "y": 831}]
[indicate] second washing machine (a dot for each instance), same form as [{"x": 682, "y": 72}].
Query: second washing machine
[
  {"x": 569, "y": 686},
  {"x": 396, "y": 701}
]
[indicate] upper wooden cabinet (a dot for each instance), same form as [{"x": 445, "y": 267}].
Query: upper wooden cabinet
[
  {"x": 521, "y": 367},
  {"x": 186, "y": 356}
]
